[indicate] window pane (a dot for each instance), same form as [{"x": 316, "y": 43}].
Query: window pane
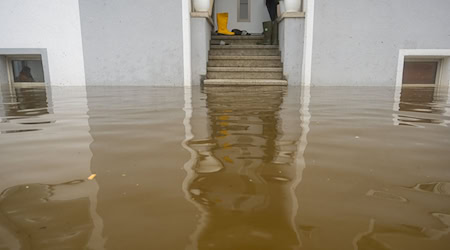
[
  {"x": 28, "y": 70},
  {"x": 420, "y": 72},
  {"x": 243, "y": 13}
]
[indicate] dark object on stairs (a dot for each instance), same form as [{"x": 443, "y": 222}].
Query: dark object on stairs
[
  {"x": 267, "y": 32},
  {"x": 272, "y": 8},
  {"x": 240, "y": 32},
  {"x": 274, "y": 40},
  {"x": 237, "y": 32},
  {"x": 270, "y": 33}
]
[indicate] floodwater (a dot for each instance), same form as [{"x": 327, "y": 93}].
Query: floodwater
[{"x": 225, "y": 168}]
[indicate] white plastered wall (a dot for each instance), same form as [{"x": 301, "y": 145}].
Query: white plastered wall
[{"x": 53, "y": 25}]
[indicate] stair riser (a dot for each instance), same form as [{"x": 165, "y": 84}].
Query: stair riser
[
  {"x": 245, "y": 75},
  {"x": 245, "y": 63},
  {"x": 243, "y": 82},
  {"x": 238, "y": 42},
  {"x": 244, "y": 52}
]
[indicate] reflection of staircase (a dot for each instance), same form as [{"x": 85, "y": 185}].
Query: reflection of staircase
[{"x": 243, "y": 62}]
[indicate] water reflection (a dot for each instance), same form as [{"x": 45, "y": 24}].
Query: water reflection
[
  {"x": 26, "y": 107},
  {"x": 21, "y": 102},
  {"x": 373, "y": 238},
  {"x": 50, "y": 215},
  {"x": 31, "y": 215},
  {"x": 421, "y": 106},
  {"x": 242, "y": 179}
]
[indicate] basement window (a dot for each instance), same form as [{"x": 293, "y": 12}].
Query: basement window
[
  {"x": 243, "y": 11},
  {"x": 420, "y": 72},
  {"x": 26, "y": 69}
]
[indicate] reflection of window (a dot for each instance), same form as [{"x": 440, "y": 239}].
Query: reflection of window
[
  {"x": 26, "y": 69},
  {"x": 243, "y": 10},
  {"x": 420, "y": 72}
]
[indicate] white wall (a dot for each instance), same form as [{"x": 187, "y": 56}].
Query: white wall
[
  {"x": 132, "y": 42},
  {"x": 258, "y": 15},
  {"x": 50, "y": 24},
  {"x": 357, "y": 42}
]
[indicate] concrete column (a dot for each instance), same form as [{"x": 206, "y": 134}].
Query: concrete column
[
  {"x": 291, "y": 35},
  {"x": 201, "y": 25}
]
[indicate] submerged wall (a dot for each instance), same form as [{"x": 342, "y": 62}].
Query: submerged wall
[
  {"x": 46, "y": 24},
  {"x": 135, "y": 42},
  {"x": 258, "y": 15},
  {"x": 357, "y": 42}
]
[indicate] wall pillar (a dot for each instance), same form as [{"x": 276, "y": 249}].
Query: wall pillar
[
  {"x": 201, "y": 26},
  {"x": 291, "y": 35}
]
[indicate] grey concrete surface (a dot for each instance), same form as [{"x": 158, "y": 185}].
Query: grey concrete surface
[
  {"x": 200, "y": 38},
  {"x": 291, "y": 36},
  {"x": 357, "y": 42},
  {"x": 136, "y": 42}
]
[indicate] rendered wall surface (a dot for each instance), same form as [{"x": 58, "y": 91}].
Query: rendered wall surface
[
  {"x": 258, "y": 15},
  {"x": 136, "y": 42},
  {"x": 357, "y": 42},
  {"x": 46, "y": 24},
  {"x": 200, "y": 36},
  {"x": 291, "y": 45}
]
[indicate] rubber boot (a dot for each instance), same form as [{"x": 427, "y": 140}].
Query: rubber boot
[
  {"x": 222, "y": 23},
  {"x": 275, "y": 33},
  {"x": 267, "y": 26}
]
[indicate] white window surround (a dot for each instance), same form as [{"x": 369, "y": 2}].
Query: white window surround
[
  {"x": 24, "y": 52},
  {"x": 417, "y": 54},
  {"x": 425, "y": 54}
]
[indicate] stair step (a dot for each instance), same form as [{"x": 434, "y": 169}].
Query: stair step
[
  {"x": 223, "y": 37},
  {"x": 244, "y": 75},
  {"x": 244, "y": 82},
  {"x": 252, "y": 46},
  {"x": 244, "y": 52},
  {"x": 237, "y": 42},
  {"x": 245, "y": 63},
  {"x": 245, "y": 58},
  {"x": 244, "y": 69}
]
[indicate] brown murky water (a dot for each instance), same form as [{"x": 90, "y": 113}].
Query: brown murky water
[{"x": 224, "y": 168}]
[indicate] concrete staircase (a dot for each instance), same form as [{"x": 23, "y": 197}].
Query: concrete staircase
[{"x": 243, "y": 62}]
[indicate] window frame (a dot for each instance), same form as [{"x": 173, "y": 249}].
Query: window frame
[
  {"x": 424, "y": 59},
  {"x": 239, "y": 19},
  {"x": 10, "y": 71}
]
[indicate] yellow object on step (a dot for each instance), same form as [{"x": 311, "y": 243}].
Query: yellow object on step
[{"x": 222, "y": 23}]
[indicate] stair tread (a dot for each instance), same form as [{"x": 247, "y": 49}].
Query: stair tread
[
  {"x": 245, "y": 69},
  {"x": 245, "y": 82},
  {"x": 244, "y": 57},
  {"x": 244, "y": 46},
  {"x": 224, "y": 37}
]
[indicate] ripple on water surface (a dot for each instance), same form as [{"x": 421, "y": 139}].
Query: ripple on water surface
[{"x": 224, "y": 168}]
